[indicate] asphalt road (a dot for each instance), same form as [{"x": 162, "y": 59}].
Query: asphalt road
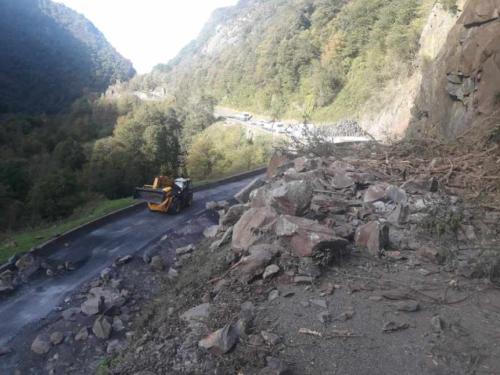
[{"x": 93, "y": 252}]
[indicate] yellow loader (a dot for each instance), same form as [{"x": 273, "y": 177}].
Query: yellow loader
[{"x": 166, "y": 195}]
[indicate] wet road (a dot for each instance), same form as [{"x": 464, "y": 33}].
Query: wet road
[{"x": 93, "y": 252}]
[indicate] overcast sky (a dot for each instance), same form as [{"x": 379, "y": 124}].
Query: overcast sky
[{"x": 148, "y": 32}]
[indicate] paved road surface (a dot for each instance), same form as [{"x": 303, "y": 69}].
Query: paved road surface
[{"x": 93, "y": 252}]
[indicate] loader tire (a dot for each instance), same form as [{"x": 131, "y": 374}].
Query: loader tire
[{"x": 176, "y": 207}]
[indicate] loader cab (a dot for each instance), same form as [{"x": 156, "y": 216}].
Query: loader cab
[{"x": 183, "y": 183}]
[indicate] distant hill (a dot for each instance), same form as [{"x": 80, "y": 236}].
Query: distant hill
[{"x": 50, "y": 56}]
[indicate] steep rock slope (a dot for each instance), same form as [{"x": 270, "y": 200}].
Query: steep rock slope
[
  {"x": 462, "y": 87},
  {"x": 51, "y": 55}
]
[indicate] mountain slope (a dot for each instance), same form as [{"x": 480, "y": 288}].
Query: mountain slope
[
  {"x": 286, "y": 57},
  {"x": 52, "y": 55}
]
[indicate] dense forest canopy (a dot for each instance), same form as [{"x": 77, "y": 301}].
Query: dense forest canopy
[{"x": 51, "y": 56}]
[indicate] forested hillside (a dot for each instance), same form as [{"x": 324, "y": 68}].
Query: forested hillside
[
  {"x": 328, "y": 57},
  {"x": 50, "y": 56}
]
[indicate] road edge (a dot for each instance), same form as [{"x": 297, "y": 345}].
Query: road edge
[{"x": 47, "y": 247}]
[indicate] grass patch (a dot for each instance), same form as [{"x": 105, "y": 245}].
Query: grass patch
[{"x": 18, "y": 242}]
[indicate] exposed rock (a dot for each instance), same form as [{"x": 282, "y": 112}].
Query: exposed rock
[
  {"x": 253, "y": 264},
  {"x": 342, "y": 181},
  {"x": 7, "y": 281},
  {"x": 92, "y": 306},
  {"x": 211, "y": 205},
  {"x": 124, "y": 260},
  {"x": 251, "y": 227},
  {"x": 82, "y": 334},
  {"x": 273, "y": 295},
  {"x": 270, "y": 338},
  {"x": 222, "y": 340},
  {"x": 270, "y": 271},
  {"x": 278, "y": 164},
  {"x": 407, "y": 306},
  {"x": 211, "y": 231},
  {"x": 393, "y": 326},
  {"x": 328, "y": 204},
  {"x": 232, "y": 215},
  {"x": 157, "y": 263},
  {"x": 480, "y": 12},
  {"x": 275, "y": 366},
  {"x": 243, "y": 196},
  {"x": 197, "y": 314},
  {"x": 395, "y": 194},
  {"x": 41, "y": 344},
  {"x": 303, "y": 164},
  {"x": 308, "y": 238},
  {"x": 432, "y": 255},
  {"x": 437, "y": 323},
  {"x": 102, "y": 327},
  {"x": 292, "y": 198},
  {"x": 115, "y": 346},
  {"x": 56, "y": 338},
  {"x": 185, "y": 250},
  {"x": 27, "y": 265},
  {"x": 375, "y": 193},
  {"x": 400, "y": 214},
  {"x": 373, "y": 236}
]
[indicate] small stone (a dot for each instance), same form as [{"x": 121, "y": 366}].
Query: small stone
[
  {"x": 102, "y": 327},
  {"x": 124, "y": 260},
  {"x": 429, "y": 254},
  {"x": 157, "y": 263},
  {"x": 345, "y": 316},
  {"x": 185, "y": 250},
  {"x": 437, "y": 324},
  {"x": 270, "y": 271},
  {"x": 407, "y": 306},
  {"x": 118, "y": 324},
  {"x": 172, "y": 274},
  {"x": 211, "y": 231},
  {"x": 222, "y": 340},
  {"x": 197, "y": 314},
  {"x": 71, "y": 313},
  {"x": 325, "y": 317},
  {"x": 211, "y": 205},
  {"x": 376, "y": 298},
  {"x": 319, "y": 302},
  {"x": 275, "y": 366},
  {"x": 270, "y": 338},
  {"x": 303, "y": 279},
  {"x": 106, "y": 274},
  {"x": 92, "y": 306},
  {"x": 41, "y": 344},
  {"x": 393, "y": 326},
  {"x": 82, "y": 334},
  {"x": 273, "y": 295},
  {"x": 395, "y": 194},
  {"x": 56, "y": 338}
]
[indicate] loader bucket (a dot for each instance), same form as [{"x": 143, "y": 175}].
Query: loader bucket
[{"x": 156, "y": 196}]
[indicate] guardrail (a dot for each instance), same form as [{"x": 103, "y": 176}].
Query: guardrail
[{"x": 49, "y": 246}]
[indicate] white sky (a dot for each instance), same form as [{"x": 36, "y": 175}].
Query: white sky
[{"x": 148, "y": 32}]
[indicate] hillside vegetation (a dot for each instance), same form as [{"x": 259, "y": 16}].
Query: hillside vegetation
[
  {"x": 281, "y": 57},
  {"x": 51, "y": 56}
]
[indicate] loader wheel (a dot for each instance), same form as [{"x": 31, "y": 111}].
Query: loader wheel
[{"x": 176, "y": 207}]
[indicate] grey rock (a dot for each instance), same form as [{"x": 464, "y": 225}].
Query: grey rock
[
  {"x": 222, "y": 340},
  {"x": 325, "y": 317},
  {"x": 395, "y": 194},
  {"x": 319, "y": 302},
  {"x": 393, "y": 326},
  {"x": 407, "y": 306},
  {"x": 211, "y": 205},
  {"x": 157, "y": 263},
  {"x": 273, "y": 295},
  {"x": 211, "y": 231},
  {"x": 270, "y": 338},
  {"x": 270, "y": 271},
  {"x": 243, "y": 196},
  {"x": 124, "y": 260},
  {"x": 92, "y": 306},
  {"x": 115, "y": 346},
  {"x": 185, "y": 250},
  {"x": 41, "y": 344},
  {"x": 56, "y": 338},
  {"x": 232, "y": 215},
  {"x": 82, "y": 334},
  {"x": 118, "y": 324},
  {"x": 197, "y": 314},
  {"x": 437, "y": 324},
  {"x": 102, "y": 327},
  {"x": 27, "y": 265}
]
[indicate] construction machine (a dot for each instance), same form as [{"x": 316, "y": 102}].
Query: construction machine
[{"x": 166, "y": 195}]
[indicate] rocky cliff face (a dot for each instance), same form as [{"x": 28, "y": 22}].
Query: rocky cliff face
[{"x": 461, "y": 87}]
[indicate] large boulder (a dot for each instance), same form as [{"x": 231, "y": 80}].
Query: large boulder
[
  {"x": 255, "y": 263},
  {"x": 479, "y": 12},
  {"x": 41, "y": 344},
  {"x": 308, "y": 238},
  {"x": 292, "y": 198},
  {"x": 373, "y": 236},
  {"x": 252, "y": 227},
  {"x": 278, "y": 164},
  {"x": 243, "y": 195},
  {"x": 232, "y": 215}
]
